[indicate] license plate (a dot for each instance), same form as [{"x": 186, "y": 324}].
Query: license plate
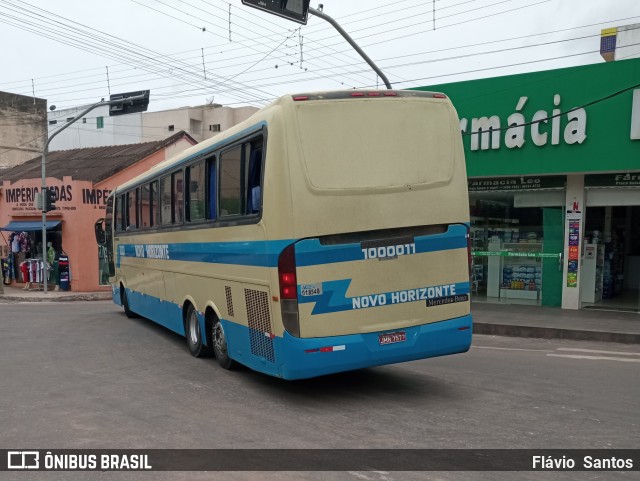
[{"x": 392, "y": 337}]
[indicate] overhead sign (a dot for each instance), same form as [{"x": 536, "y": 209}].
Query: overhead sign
[
  {"x": 296, "y": 10},
  {"x": 547, "y": 122},
  {"x": 613, "y": 180},
  {"x": 516, "y": 183},
  {"x": 537, "y": 255}
]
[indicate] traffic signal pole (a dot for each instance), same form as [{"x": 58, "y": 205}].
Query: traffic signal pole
[
  {"x": 44, "y": 162},
  {"x": 336, "y": 25}
]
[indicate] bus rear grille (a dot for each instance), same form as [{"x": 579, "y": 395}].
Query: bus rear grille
[
  {"x": 259, "y": 321},
  {"x": 227, "y": 292}
]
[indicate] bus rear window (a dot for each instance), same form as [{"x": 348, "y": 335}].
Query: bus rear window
[{"x": 367, "y": 144}]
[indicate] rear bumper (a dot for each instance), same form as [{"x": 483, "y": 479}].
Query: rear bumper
[{"x": 304, "y": 358}]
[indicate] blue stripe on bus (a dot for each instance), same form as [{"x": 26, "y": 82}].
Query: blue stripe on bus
[
  {"x": 309, "y": 252},
  {"x": 248, "y": 253},
  {"x": 334, "y": 296},
  {"x": 299, "y": 358}
]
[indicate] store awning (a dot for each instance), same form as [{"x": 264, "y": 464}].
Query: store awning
[{"x": 29, "y": 225}]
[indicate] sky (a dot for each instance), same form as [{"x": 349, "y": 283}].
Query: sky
[{"x": 193, "y": 52}]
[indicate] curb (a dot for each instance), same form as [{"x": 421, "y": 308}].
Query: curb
[
  {"x": 79, "y": 297},
  {"x": 554, "y": 333}
]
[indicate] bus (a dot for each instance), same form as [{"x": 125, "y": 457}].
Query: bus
[{"x": 328, "y": 232}]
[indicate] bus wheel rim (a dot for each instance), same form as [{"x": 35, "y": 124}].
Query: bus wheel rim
[{"x": 221, "y": 342}]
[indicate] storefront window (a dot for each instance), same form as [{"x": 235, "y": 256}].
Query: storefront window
[{"x": 517, "y": 246}]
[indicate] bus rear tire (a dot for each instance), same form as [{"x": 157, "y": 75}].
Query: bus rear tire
[
  {"x": 125, "y": 303},
  {"x": 219, "y": 342},
  {"x": 193, "y": 334}
]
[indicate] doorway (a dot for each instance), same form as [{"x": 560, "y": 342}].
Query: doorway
[{"x": 610, "y": 274}]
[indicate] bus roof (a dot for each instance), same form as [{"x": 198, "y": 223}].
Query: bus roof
[{"x": 258, "y": 120}]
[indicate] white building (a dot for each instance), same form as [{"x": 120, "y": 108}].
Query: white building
[{"x": 97, "y": 128}]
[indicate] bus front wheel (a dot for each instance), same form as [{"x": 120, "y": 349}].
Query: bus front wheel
[
  {"x": 219, "y": 341},
  {"x": 193, "y": 333}
]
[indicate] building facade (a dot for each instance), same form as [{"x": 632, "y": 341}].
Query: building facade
[
  {"x": 553, "y": 160},
  {"x": 23, "y": 125},
  {"x": 82, "y": 180},
  {"x": 98, "y": 128}
]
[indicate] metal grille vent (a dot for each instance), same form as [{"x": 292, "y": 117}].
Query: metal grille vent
[
  {"x": 259, "y": 322},
  {"x": 227, "y": 292}
]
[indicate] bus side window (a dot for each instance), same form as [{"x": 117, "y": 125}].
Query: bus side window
[
  {"x": 153, "y": 204},
  {"x": 231, "y": 180},
  {"x": 145, "y": 206},
  {"x": 118, "y": 213},
  {"x": 212, "y": 189},
  {"x": 254, "y": 187},
  {"x": 124, "y": 206},
  {"x": 165, "y": 200},
  {"x": 196, "y": 179},
  {"x": 132, "y": 202},
  {"x": 178, "y": 197}
]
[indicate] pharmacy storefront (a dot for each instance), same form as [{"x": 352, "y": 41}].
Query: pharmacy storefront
[{"x": 553, "y": 160}]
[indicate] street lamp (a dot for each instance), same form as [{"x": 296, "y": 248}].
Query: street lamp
[{"x": 139, "y": 98}]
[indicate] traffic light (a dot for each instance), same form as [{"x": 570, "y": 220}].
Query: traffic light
[
  {"x": 296, "y": 10},
  {"x": 50, "y": 200},
  {"x": 129, "y": 106}
]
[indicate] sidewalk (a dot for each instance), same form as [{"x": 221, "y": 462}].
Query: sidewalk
[
  {"x": 17, "y": 294},
  {"x": 492, "y": 319},
  {"x": 555, "y": 323}
]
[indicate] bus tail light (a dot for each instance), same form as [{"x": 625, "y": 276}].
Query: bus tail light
[{"x": 289, "y": 290}]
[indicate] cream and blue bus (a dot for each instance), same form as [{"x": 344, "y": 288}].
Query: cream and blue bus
[{"x": 328, "y": 232}]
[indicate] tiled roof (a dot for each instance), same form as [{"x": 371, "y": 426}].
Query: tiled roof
[{"x": 93, "y": 163}]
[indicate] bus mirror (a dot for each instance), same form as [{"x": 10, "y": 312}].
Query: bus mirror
[{"x": 100, "y": 234}]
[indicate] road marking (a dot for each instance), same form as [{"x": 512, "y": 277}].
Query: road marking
[
  {"x": 594, "y": 358},
  {"x": 511, "y": 349},
  {"x": 620, "y": 353}
]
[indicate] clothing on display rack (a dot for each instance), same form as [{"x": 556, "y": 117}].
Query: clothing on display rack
[
  {"x": 20, "y": 242},
  {"x": 34, "y": 271}
]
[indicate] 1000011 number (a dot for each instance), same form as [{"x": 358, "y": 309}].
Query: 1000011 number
[{"x": 389, "y": 251}]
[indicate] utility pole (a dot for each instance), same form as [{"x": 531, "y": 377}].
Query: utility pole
[{"x": 45, "y": 150}]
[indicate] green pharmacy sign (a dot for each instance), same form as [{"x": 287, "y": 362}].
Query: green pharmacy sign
[{"x": 572, "y": 120}]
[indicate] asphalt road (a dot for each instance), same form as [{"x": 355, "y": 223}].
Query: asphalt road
[{"x": 82, "y": 375}]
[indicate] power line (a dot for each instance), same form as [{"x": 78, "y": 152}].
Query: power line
[
  {"x": 311, "y": 40},
  {"x": 169, "y": 96}
]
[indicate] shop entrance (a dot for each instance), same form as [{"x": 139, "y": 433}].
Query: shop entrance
[
  {"x": 517, "y": 241},
  {"x": 26, "y": 259},
  {"x": 610, "y": 273}
]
